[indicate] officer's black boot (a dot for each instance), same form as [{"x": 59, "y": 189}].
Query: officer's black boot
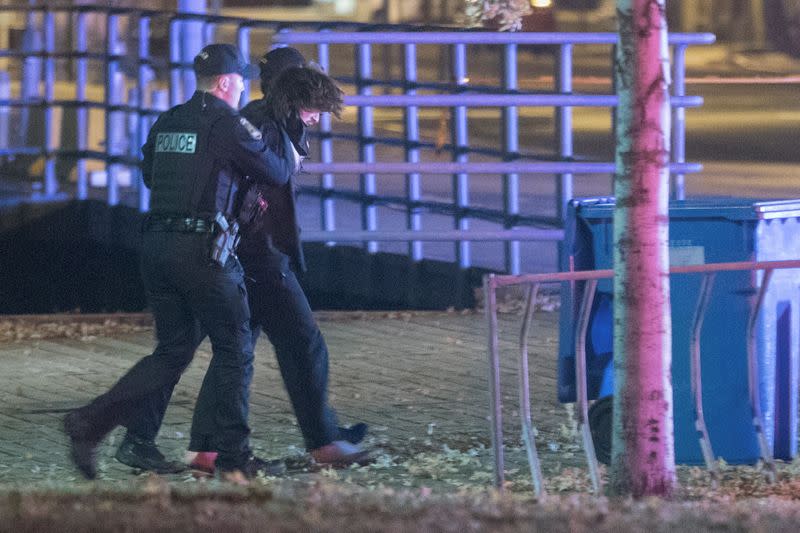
[{"x": 145, "y": 455}]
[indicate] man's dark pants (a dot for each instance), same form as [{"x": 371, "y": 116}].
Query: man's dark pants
[
  {"x": 279, "y": 306},
  {"x": 188, "y": 294}
]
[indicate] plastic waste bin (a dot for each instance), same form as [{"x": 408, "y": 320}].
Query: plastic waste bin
[{"x": 700, "y": 231}]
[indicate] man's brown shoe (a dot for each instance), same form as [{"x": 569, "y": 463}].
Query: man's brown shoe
[{"x": 341, "y": 454}]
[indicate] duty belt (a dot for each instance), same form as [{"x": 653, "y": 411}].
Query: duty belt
[{"x": 179, "y": 223}]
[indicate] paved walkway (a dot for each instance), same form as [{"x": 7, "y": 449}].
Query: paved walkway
[{"x": 418, "y": 379}]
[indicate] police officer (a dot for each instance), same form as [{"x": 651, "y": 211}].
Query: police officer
[{"x": 196, "y": 158}]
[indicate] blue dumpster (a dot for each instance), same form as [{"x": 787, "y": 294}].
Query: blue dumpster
[{"x": 701, "y": 231}]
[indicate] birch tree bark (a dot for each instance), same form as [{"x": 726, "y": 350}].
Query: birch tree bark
[{"x": 643, "y": 458}]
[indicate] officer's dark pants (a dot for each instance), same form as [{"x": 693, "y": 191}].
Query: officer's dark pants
[
  {"x": 279, "y": 306},
  {"x": 189, "y": 294}
]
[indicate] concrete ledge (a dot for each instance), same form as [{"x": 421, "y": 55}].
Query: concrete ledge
[{"x": 84, "y": 256}]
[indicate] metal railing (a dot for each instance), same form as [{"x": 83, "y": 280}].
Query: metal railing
[
  {"x": 138, "y": 84},
  {"x": 507, "y": 97},
  {"x": 492, "y": 282}
]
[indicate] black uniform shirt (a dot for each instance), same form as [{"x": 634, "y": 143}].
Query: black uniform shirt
[{"x": 197, "y": 153}]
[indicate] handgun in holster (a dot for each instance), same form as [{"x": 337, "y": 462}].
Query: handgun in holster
[
  {"x": 253, "y": 206},
  {"x": 225, "y": 240}
]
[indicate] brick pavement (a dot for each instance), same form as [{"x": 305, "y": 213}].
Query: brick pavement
[{"x": 418, "y": 379}]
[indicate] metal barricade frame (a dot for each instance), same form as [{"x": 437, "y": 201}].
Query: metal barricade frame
[
  {"x": 492, "y": 282},
  {"x": 323, "y": 35}
]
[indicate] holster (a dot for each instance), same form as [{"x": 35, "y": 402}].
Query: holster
[{"x": 226, "y": 238}]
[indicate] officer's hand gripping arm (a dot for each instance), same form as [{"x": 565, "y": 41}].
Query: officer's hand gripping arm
[{"x": 256, "y": 160}]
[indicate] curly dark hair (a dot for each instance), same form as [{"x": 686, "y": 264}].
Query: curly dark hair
[{"x": 304, "y": 87}]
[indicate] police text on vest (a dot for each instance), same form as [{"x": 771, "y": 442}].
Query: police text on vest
[{"x": 180, "y": 143}]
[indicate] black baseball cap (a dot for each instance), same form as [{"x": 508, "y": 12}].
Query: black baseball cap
[
  {"x": 277, "y": 60},
  {"x": 217, "y": 59}
]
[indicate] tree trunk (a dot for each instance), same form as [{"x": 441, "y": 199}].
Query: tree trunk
[{"x": 643, "y": 458}]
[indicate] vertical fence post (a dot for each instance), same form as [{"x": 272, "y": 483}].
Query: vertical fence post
[
  {"x": 114, "y": 95},
  {"x": 366, "y": 140},
  {"x": 413, "y": 185},
  {"x": 30, "y": 126},
  {"x": 460, "y": 147},
  {"x": 754, "y": 381},
  {"x": 564, "y": 126},
  {"x": 582, "y": 393},
  {"x": 327, "y": 180},
  {"x": 511, "y": 149},
  {"x": 528, "y": 429},
  {"x": 144, "y": 75},
  {"x": 615, "y": 80},
  {"x": 159, "y": 101},
  {"x": 176, "y": 94},
  {"x": 5, "y": 94},
  {"x": 678, "y": 191},
  {"x": 495, "y": 388},
  {"x": 210, "y": 28},
  {"x": 32, "y": 64},
  {"x": 564, "y": 137},
  {"x": 190, "y": 40},
  {"x": 129, "y": 146},
  {"x": 243, "y": 41},
  {"x": 82, "y": 113},
  {"x": 50, "y": 180}
]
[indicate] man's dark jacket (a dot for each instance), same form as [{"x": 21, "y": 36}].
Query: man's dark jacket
[{"x": 278, "y": 227}]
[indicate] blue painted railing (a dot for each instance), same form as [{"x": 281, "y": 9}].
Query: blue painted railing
[{"x": 131, "y": 102}]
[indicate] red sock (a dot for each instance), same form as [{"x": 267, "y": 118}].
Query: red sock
[{"x": 204, "y": 461}]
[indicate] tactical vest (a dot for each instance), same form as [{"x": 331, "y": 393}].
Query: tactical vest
[{"x": 188, "y": 176}]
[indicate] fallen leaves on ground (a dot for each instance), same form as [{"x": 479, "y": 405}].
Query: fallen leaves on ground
[{"x": 82, "y": 327}]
